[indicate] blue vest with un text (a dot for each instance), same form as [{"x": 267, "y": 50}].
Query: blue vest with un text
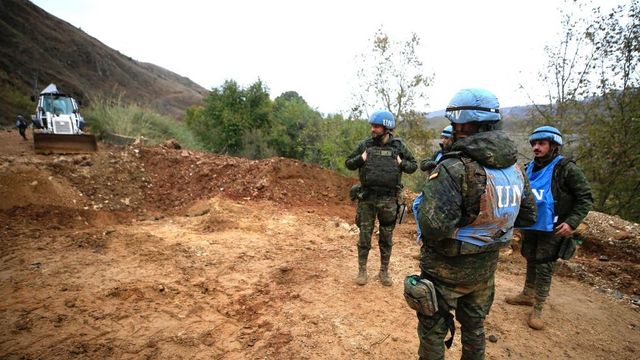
[
  {"x": 499, "y": 207},
  {"x": 541, "y": 187}
]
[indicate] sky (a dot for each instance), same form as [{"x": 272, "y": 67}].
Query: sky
[{"x": 311, "y": 47}]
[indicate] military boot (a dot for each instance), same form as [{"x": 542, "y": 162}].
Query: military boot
[
  {"x": 535, "y": 318},
  {"x": 526, "y": 297},
  {"x": 363, "y": 254},
  {"x": 361, "y": 279},
  {"x": 384, "y": 277}
]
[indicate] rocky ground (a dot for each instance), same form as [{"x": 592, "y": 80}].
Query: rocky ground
[{"x": 139, "y": 252}]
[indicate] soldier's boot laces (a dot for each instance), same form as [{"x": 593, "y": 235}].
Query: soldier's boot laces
[
  {"x": 384, "y": 277},
  {"x": 361, "y": 279},
  {"x": 526, "y": 297},
  {"x": 535, "y": 319}
]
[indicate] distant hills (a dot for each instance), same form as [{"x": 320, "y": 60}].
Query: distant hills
[{"x": 37, "y": 46}]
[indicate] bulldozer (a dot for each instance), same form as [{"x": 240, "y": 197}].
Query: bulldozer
[{"x": 58, "y": 125}]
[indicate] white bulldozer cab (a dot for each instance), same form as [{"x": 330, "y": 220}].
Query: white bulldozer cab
[{"x": 58, "y": 124}]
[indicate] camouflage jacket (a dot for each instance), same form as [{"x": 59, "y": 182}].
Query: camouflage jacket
[
  {"x": 571, "y": 192},
  {"x": 427, "y": 165},
  {"x": 451, "y": 200},
  {"x": 408, "y": 164}
]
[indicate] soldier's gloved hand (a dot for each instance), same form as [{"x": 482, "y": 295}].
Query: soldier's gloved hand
[
  {"x": 364, "y": 155},
  {"x": 563, "y": 230}
]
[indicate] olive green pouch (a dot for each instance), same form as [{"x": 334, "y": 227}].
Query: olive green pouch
[
  {"x": 356, "y": 192},
  {"x": 567, "y": 248},
  {"x": 420, "y": 295}
]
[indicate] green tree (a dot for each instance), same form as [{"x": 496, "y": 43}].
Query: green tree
[
  {"x": 291, "y": 115},
  {"x": 610, "y": 141},
  {"x": 391, "y": 76},
  {"x": 231, "y": 112},
  {"x": 594, "y": 99}
]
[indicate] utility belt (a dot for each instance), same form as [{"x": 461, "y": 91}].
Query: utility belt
[
  {"x": 421, "y": 295},
  {"x": 369, "y": 191}
]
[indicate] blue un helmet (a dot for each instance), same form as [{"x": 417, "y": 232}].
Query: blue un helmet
[
  {"x": 384, "y": 118},
  {"x": 473, "y": 105},
  {"x": 546, "y": 133},
  {"x": 447, "y": 132}
]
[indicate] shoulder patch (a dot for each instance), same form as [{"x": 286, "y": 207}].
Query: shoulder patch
[{"x": 433, "y": 175}]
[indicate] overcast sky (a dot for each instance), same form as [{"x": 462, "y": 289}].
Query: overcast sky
[{"x": 311, "y": 46}]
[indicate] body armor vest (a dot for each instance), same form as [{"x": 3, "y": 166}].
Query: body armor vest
[{"x": 381, "y": 172}]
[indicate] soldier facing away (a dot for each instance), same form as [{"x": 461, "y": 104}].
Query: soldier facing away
[
  {"x": 472, "y": 200},
  {"x": 563, "y": 198},
  {"x": 380, "y": 161}
]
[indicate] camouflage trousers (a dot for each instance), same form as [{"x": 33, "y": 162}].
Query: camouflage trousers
[
  {"x": 385, "y": 209},
  {"x": 472, "y": 304},
  {"x": 541, "y": 250}
]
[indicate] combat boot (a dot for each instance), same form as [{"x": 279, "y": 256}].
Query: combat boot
[
  {"x": 361, "y": 279},
  {"x": 384, "y": 277},
  {"x": 525, "y": 297},
  {"x": 535, "y": 318}
]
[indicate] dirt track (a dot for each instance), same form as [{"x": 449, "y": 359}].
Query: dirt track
[{"x": 168, "y": 254}]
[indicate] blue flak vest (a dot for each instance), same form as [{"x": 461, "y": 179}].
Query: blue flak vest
[
  {"x": 541, "y": 187},
  {"x": 499, "y": 207},
  {"x": 438, "y": 156}
]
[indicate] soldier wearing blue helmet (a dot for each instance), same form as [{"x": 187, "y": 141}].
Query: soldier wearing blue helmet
[
  {"x": 461, "y": 243},
  {"x": 380, "y": 161},
  {"x": 563, "y": 198}
]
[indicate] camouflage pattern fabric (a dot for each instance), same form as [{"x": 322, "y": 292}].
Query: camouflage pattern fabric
[
  {"x": 384, "y": 208},
  {"x": 472, "y": 304},
  {"x": 375, "y": 204},
  {"x": 573, "y": 200},
  {"x": 466, "y": 282},
  {"x": 541, "y": 250}
]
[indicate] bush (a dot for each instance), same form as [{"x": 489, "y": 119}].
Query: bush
[{"x": 114, "y": 117}]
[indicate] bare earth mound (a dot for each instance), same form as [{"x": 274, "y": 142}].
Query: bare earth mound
[{"x": 170, "y": 254}]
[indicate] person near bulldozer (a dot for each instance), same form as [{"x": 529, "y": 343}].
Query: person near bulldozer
[
  {"x": 380, "y": 161},
  {"x": 563, "y": 199},
  {"x": 461, "y": 244},
  {"x": 22, "y": 125}
]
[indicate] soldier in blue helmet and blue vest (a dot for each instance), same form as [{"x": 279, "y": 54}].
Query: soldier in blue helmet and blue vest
[
  {"x": 563, "y": 199},
  {"x": 473, "y": 199},
  {"x": 380, "y": 161}
]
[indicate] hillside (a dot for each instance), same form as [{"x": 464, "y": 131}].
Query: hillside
[
  {"x": 36, "y": 44},
  {"x": 156, "y": 253}
]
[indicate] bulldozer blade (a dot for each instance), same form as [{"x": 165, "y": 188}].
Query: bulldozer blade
[{"x": 64, "y": 144}]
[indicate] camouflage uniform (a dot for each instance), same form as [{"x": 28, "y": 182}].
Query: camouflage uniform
[
  {"x": 380, "y": 203},
  {"x": 572, "y": 202},
  {"x": 463, "y": 277}
]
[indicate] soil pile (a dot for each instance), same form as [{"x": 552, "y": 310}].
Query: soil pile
[{"x": 150, "y": 252}]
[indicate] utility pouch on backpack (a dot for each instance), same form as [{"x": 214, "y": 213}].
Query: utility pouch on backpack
[
  {"x": 420, "y": 295},
  {"x": 567, "y": 248}
]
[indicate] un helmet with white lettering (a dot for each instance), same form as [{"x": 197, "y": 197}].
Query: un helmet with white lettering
[
  {"x": 546, "y": 133},
  {"x": 384, "y": 118},
  {"x": 447, "y": 132},
  {"x": 473, "y": 105}
]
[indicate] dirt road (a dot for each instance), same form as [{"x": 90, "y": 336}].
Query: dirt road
[{"x": 168, "y": 254}]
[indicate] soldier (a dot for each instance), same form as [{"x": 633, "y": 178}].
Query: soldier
[
  {"x": 461, "y": 243},
  {"x": 21, "y": 124},
  {"x": 380, "y": 161},
  {"x": 427, "y": 165},
  {"x": 563, "y": 198}
]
